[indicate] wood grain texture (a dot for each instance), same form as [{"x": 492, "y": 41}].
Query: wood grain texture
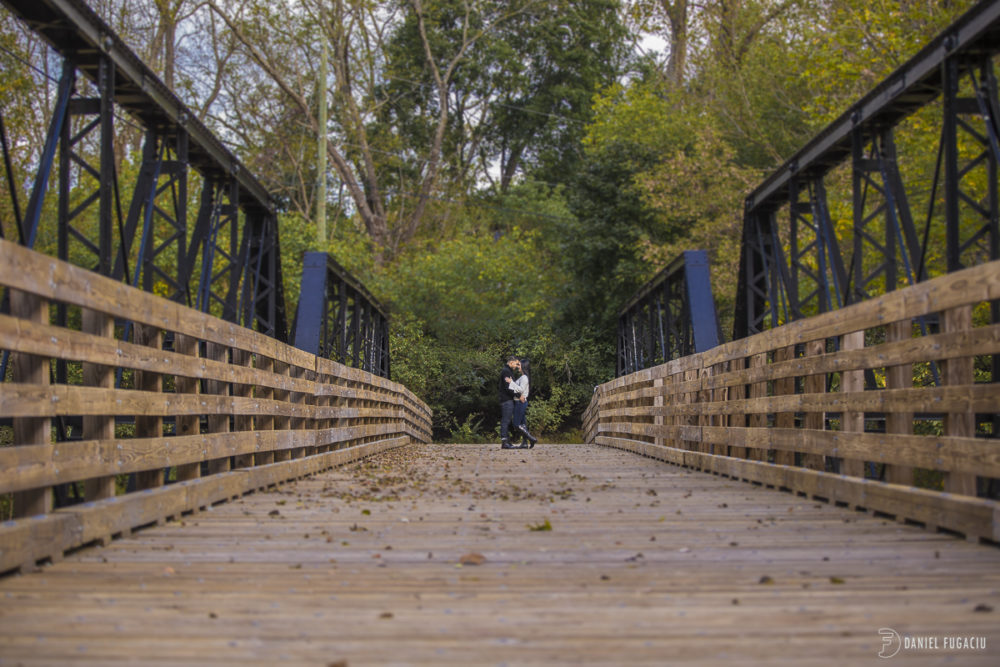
[
  {"x": 645, "y": 563},
  {"x": 235, "y": 398},
  {"x": 795, "y": 398}
]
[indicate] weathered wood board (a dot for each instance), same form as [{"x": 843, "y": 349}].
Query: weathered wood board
[{"x": 645, "y": 563}]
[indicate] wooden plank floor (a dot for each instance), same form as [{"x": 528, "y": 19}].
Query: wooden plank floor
[{"x": 645, "y": 563}]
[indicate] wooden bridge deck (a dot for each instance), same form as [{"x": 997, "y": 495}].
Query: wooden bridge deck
[{"x": 644, "y": 563}]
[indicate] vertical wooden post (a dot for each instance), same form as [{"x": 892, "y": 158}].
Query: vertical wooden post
[
  {"x": 297, "y": 400},
  {"x": 758, "y": 419},
  {"x": 899, "y": 377},
  {"x": 658, "y": 402},
  {"x": 705, "y": 396},
  {"x": 148, "y": 426},
  {"x": 264, "y": 422},
  {"x": 815, "y": 421},
  {"x": 243, "y": 422},
  {"x": 852, "y": 421},
  {"x": 738, "y": 418},
  {"x": 187, "y": 425},
  {"x": 692, "y": 398},
  {"x": 281, "y": 422},
  {"x": 784, "y": 386},
  {"x": 958, "y": 372},
  {"x": 98, "y": 427},
  {"x": 34, "y": 370},
  {"x": 217, "y": 423}
]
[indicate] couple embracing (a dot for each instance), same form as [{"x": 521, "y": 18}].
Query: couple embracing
[{"x": 514, "y": 405}]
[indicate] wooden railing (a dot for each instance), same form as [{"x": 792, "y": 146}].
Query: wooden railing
[
  {"x": 788, "y": 408},
  {"x": 194, "y": 411}
]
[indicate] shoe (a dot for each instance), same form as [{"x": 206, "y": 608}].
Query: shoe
[
  {"x": 506, "y": 445},
  {"x": 532, "y": 439}
]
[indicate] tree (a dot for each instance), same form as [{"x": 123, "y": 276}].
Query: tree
[{"x": 365, "y": 157}]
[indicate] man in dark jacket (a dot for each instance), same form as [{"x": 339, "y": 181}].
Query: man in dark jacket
[{"x": 506, "y": 402}]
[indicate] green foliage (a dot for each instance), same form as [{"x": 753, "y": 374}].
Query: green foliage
[{"x": 571, "y": 172}]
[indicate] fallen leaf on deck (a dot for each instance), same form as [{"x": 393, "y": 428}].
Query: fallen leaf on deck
[{"x": 472, "y": 559}]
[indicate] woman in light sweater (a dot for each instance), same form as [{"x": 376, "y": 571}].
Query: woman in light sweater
[{"x": 521, "y": 406}]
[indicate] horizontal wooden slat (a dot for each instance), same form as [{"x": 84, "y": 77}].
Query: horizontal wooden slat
[
  {"x": 702, "y": 393},
  {"x": 26, "y": 541},
  {"x": 46, "y": 340},
  {"x": 971, "y": 516},
  {"x": 33, "y": 466},
  {"x": 58, "y": 281}
]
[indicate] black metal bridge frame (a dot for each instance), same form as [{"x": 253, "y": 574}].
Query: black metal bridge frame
[
  {"x": 887, "y": 249},
  {"x": 339, "y": 319},
  {"x": 228, "y": 263},
  {"x": 673, "y": 315}
]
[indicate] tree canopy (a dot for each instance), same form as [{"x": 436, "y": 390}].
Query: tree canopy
[{"x": 504, "y": 174}]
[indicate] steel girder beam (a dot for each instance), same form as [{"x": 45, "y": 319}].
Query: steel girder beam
[
  {"x": 235, "y": 234},
  {"x": 671, "y": 316},
  {"x": 886, "y": 248},
  {"x": 339, "y": 319},
  {"x": 74, "y": 30}
]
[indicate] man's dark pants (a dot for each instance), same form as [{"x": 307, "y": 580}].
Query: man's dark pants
[{"x": 506, "y": 416}]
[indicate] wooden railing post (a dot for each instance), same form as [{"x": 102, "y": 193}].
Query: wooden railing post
[
  {"x": 187, "y": 425},
  {"x": 899, "y": 421},
  {"x": 815, "y": 420},
  {"x": 98, "y": 427},
  {"x": 148, "y": 426},
  {"x": 31, "y": 369},
  {"x": 264, "y": 421},
  {"x": 738, "y": 418},
  {"x": 243, "y": 422},
  {"x": 852, "y": 385},
  {"x": 784, "y": 386},
  {"x": 758, "y": 419},
  {"x": 658, "y": 419},
  {"x": 217, "y": 423},
  {"x": 958, "y": 372},
  {"x": 281, "y": 422}
]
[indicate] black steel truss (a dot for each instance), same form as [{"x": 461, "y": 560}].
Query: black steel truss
[
  {"x": 338, "y": 319},
  {"x": 228, "y": 263},
  {"x": 804, "y": 269},
  {"x": 671, "y": 316}
]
